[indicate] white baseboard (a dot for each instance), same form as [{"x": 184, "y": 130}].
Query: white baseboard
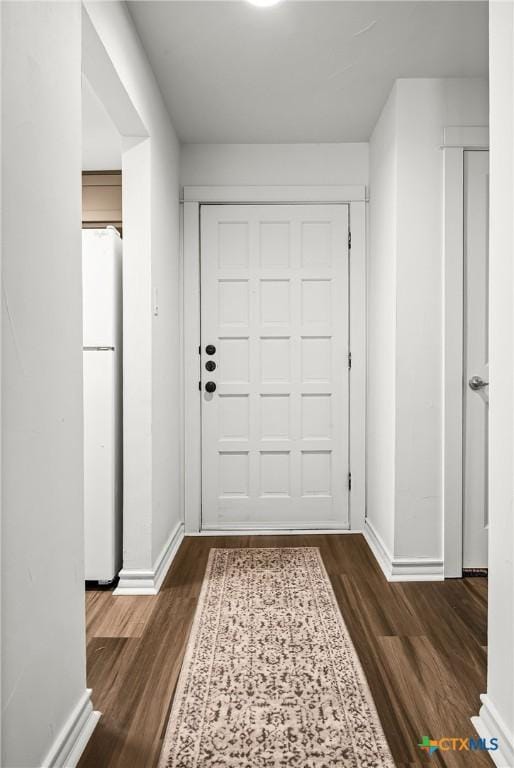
[
  {"x": 270, "y": 531},
  {"x": 378, "y": 548},
  {"x": 402, "y": 568},
  {"x": 490, "y": 725},
  {"x": 148, "y": 582},
  {"x": 74, "y": 735}
]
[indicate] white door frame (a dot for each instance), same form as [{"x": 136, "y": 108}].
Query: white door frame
[
  {"x": 456, "y": 141},
  {"x": 194, "y": 197}
]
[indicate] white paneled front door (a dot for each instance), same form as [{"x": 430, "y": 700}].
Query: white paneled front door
[{"x": 274, "y": 332}]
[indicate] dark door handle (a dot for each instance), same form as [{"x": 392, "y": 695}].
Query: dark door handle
[
  {"x": 210, "y": 386},
  {"x": 210, "y": 349},
  {"x": 210, "y": 365}
]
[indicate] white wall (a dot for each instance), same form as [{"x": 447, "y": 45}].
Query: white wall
[
  {"x": 497, "y": 712},
  {"x": 273, "y": 164},
  {"x": 381, "y": 303},
  {"x": 151, "y": 342},
  {"x": 406, "y": 146},
  {"x": 101, "y": 142},
  {"x": 421, "y": 118},
  {"x": 43, "y": 647}
]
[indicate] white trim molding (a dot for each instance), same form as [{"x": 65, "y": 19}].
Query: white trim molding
[
  {"x": 148, "y": 582},
  {"x": 191, "y": 368},
  {"x": 193, "y": 199},
  {"x": 71, "y": 741},
  {"x": 401, "y": 568},
  {"x": 490, "y": 725},
  {"x": 358, "y": 375},
  {"x": 456, "y": 142}
]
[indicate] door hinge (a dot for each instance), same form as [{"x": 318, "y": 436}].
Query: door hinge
[
  {"x": 349, "y": 360},
  {"x": 200, "y": 350},
  {"x": 349, "y": 481},
  {"x": 200, "y": 386},
  {"x": 349, "y": 240}
]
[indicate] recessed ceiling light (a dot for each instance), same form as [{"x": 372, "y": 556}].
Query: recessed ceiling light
[{"x": 264, "y": 3}]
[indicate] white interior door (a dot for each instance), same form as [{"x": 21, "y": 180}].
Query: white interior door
[
  {"x": 476, "y": 358},
  {"x": 274, "y": 306}
]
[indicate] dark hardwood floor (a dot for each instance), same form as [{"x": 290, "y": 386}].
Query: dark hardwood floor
[{"x": 422, "y": 646}]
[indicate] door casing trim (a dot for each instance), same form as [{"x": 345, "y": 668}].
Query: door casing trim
[
  {"x": 457, "y": 140},
  {"x": 191, "y": 460}
]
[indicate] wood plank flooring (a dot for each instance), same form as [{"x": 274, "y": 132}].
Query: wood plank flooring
[{"x": 422, "y": 646}]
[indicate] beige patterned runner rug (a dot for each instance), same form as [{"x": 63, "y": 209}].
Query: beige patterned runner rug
[{"x": 270, "y": 677}]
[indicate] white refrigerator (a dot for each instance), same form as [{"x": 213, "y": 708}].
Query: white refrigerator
[{"x": 103, "y": 480}]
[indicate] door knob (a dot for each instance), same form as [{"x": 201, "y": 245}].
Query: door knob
[
  {"x": 210, "y": 365},
  {"x": 210, "y": 386},
  {"x": 210, "y": 349},
  {"x": 476, "y": 383}
]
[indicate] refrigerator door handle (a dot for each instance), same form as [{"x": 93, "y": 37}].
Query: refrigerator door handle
[{"x": 98, "y": 349}]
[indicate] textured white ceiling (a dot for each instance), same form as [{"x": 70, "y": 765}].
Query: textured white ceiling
[{"x": 311, "y": 71}]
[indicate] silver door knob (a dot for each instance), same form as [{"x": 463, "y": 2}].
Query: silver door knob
[{"x": 476, "y": 383}]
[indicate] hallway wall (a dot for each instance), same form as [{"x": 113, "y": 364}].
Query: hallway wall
[
  {"x": 405, "y": 318},
  {"x": 381, "y": 301},
  {"x": 280, "y": 164},
  {"x": 152, "y": 504},
  {"x": 497, "y": 711},
  {"x": 42, "y": 579}
]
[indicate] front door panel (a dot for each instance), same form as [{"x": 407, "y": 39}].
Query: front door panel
[{"x": 274, "y": 306}]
